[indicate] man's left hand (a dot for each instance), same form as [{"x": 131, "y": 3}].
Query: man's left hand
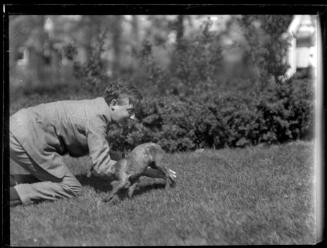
[{"x": 172, "y": 173}]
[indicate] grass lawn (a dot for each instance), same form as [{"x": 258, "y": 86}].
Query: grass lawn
[{"x": 254, "y": 195}]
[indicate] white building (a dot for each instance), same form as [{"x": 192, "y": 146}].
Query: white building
[{"x": 303, "y": 49}]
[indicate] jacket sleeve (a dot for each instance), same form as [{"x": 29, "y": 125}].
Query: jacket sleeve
[{"x": 99, "y": 148}]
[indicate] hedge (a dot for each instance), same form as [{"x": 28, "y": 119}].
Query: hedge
[{"x": 222, "y": 119}]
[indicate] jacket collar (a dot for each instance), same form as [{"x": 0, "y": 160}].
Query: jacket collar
[{"x": 103, "y": 108}]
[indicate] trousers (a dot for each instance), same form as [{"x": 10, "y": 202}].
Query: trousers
[{"x": 45, "y": 185}]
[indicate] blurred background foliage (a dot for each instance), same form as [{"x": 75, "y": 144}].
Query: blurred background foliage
[{"x": 207, "y": 81}]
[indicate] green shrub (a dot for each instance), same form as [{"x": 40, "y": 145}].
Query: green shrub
[{"x": 217, "y": 120}]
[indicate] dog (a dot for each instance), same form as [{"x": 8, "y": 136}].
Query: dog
[{"x": 143, "y": 160}]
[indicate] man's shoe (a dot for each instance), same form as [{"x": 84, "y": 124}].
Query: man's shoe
[
  {"x": 14, "y": 203},
  {"x": 13, "y": 182},
  {"x": 14, "y": 198}
]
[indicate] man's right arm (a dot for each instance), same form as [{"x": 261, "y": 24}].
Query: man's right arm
[{"x": 102, "y": 164}]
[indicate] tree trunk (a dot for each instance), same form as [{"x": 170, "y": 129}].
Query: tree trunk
[
  {"x": 36, "y": 63},
  {"x": 135, "y": 33},
  {"x": 179, "y": 30},
  {"x": 116, "y": 43}
]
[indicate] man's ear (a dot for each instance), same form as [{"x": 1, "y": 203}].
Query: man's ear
[{"x": 113, "y": 103}]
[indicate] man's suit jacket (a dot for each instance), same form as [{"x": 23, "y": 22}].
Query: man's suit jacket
[{"x": 48, "y": 131}]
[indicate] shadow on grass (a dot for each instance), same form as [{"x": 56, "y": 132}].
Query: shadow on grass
[
  {"x": 94, "y": 182},
  {"x": 101, "y": 185},
  {"x": 98, "y": 184}
]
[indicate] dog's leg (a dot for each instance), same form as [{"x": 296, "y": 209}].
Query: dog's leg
[
  {"x": 124, "y": 183},
  {"x": 170, "y": 182},
  {"x": 133, "y": 183},
  {"x": 131, "y": 189},
  {"x": 154, "y": 173},
  {"x": 157, "y": 171}
]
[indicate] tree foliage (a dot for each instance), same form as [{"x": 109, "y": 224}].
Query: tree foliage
[
  {"x": 187, "y": 102},
  {"x": 266, "y": 46}
]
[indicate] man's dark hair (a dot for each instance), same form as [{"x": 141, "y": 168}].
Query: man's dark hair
[{"x": 119, "y": 90}]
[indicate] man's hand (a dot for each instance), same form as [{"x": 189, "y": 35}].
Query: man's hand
[
  {"x": 172, "y": 173},
  {"x": 105, "y": 171}
]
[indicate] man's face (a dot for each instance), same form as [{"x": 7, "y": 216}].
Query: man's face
[{"x": 122, "y": 111}]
